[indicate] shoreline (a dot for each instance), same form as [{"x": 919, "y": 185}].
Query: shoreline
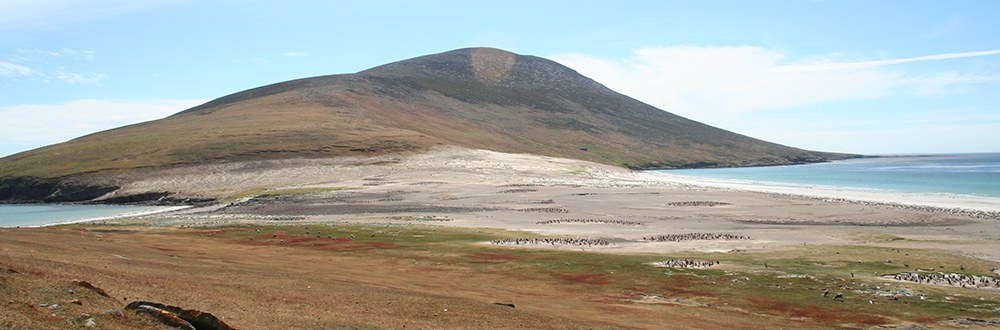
[
  {"x": 437, "y": 175},
  {"x": 888, "y": 198},
  {"x": 124, "y": 215},
  {"x": 120, "y": 216}
]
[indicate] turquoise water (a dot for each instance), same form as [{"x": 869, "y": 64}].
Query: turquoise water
[
  {"x": 26, "y": 215},
  {"x": 956, "y": 174}
]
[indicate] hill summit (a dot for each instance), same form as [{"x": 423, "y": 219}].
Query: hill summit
[{"x": 479, "y": 98}]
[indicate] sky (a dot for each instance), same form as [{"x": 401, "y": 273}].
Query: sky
[{"x": 868, "y": 77}]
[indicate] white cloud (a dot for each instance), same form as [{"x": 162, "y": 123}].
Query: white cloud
[
  {"x": 709, "y": 82},
  {"x": 947, "y": 130},
  {"x": 30, "y": 126},
  {"x": 46, "y": 58},
  {"x": 916, "y": 138},
  {"x": 871, "y": 64},
  {"x": 757, "y": 91},
  {"x": 84, "y": 78},
  {"x": 295, "y": 54},
  {"x": 13, "y": 70},
  {"x": 77, "y": 54}
]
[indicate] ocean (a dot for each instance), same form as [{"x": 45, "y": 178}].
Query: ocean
[
  {"x": 33, "y": 215},
  {"x": 973, "y": 175}
]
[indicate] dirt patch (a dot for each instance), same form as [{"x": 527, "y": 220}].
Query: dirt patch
[
  {"x": 595, "y": 279},
  {"x": 493, "y": 256},
  {"x": 336, "y": 244},
  {"x": 789, "y": 309}
]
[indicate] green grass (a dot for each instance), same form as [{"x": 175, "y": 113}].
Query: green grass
[{"x": 791, "y": 285}]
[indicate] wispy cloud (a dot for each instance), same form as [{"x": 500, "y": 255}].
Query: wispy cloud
[
  {"x": 871, "y": 64},
  {"x": 77, "y": 54},
  {"x": 296, "y": 54},
  {"x": 29, "y": 126},
  {"x": 42, "y": 61},
  {"x": 13, "y": 70},
  {"x": 80, "y": 78},
  {"x": 707, "y": 82}
]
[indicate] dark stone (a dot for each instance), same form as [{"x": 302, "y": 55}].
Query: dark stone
[
  {"x": 33, "y": 190},
  {"x": 165, "y": 317},
  {"x": 196, "y": 319},
  {"x": 504, "y": 304},
  {"x": 87, "y": 285}
]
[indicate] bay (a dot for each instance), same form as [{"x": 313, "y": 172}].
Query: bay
[
  {"x": 975, "y": 175},
  {"x": 33, "y": 215}
]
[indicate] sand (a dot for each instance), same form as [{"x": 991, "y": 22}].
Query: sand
[{"x": 484, "y": 189}]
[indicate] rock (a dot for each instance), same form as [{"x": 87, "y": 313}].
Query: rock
[
  {"x": 90, "y": 323},
  {"x": 92, "y": 287},
  {"x": 32, "y": 305},
  {"x": 165, "y": 317},
  {"x": 194, "y": 318},
  {"x": 504, "y": 304}
]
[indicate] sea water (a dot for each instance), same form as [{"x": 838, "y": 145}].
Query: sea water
[
  {"x": 32, "y": 215},
  {"x": 976, "y": 175}
]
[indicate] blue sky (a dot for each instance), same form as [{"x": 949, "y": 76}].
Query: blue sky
[{"x": 872, "y": 77}]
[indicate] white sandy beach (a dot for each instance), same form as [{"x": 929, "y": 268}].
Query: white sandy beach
[
  {"x": 485, "y": 189},
  {"x": 154, "y": 211}
]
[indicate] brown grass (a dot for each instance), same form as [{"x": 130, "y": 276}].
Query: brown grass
[{"x": 399, "y": 279}]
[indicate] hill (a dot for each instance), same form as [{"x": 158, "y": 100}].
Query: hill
[{"x": 478, "y": 98}]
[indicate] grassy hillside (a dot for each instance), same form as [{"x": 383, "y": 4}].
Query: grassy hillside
[{"x": 477, "y": 98}]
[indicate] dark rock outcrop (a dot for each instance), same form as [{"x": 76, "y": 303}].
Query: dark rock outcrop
[
  {"x": 56, "y": 190},
  {"x": 188, "y": 319},
  {"x": 92, "y": 287}
]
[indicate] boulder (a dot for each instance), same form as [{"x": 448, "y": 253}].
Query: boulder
[{"x": 192, "y": 319}]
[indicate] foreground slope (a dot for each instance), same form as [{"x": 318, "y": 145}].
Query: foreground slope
[{"x": 477, "y": 98}]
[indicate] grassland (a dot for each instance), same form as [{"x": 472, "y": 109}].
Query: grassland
[
  {"x": 403, "y": 241},
  {"x": 407, "y": 273}
]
